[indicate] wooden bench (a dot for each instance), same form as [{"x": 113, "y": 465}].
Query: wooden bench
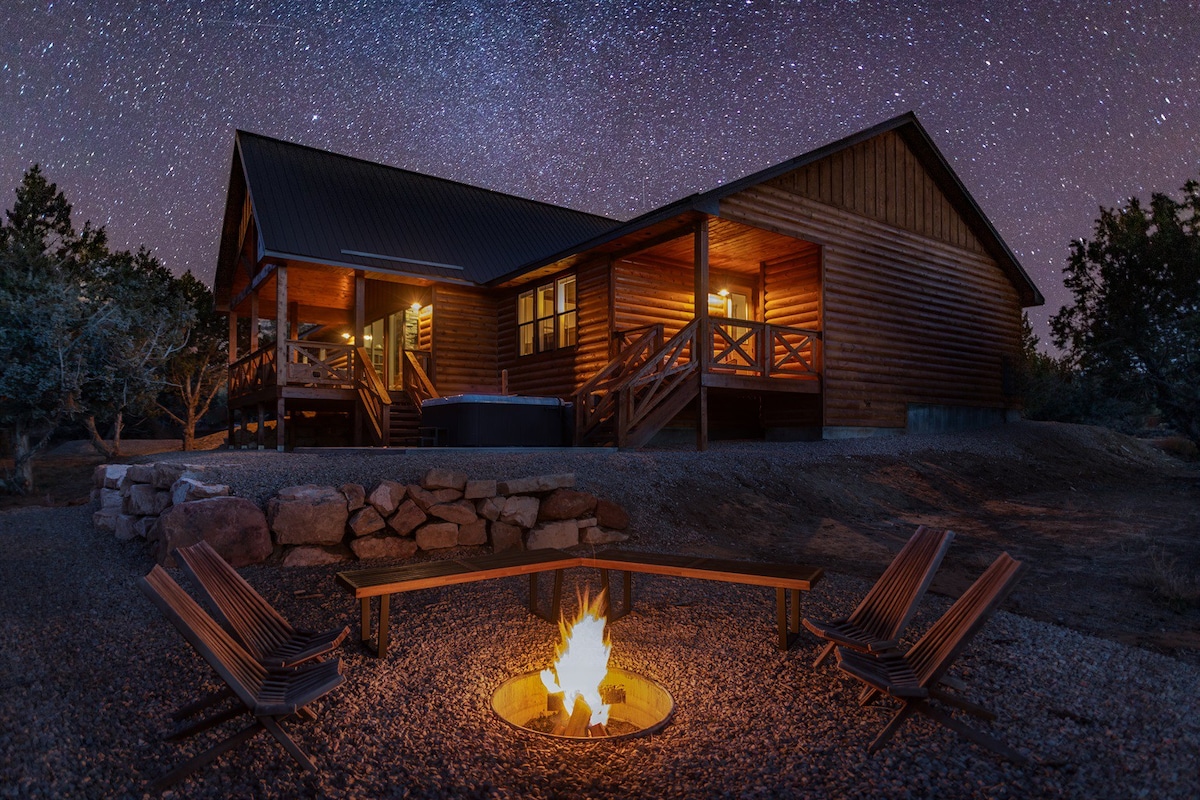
[{"x": 382, "y": 582}]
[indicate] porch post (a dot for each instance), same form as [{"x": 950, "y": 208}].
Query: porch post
[
  {"x": 703, "y": 338},
  {"x": 253, "y": 321},
  {"x": 360, "y": 319},
  {"x": 281, "y": 352},
  {"x": 229, "y": 411}
]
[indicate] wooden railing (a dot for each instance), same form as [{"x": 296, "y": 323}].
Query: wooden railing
[
  {"x": 373, "y": 398},
  {"x": 596, "y": 400},
  {"x": 756, "y": 349},
  {"x": 320, "y": 364},
  {"x": 252, "y": 372},
  {"x": 657, "y": 387},
  {"x": 417, "y": 384}
]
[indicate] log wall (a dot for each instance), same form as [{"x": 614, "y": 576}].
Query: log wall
[
  {"x": 463, "y": 329},
  {"x": 558, "y": 373},
  {"x": 907, "y": 318},
  {"x": 648, "y": 293}
]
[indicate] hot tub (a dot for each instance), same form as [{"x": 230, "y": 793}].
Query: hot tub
[{"x": 493, "y": 420}]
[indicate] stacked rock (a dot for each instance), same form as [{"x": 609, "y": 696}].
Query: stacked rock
[{"x": 133, "y": 497}]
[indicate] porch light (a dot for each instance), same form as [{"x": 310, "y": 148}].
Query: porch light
[
  {"x": 345, "y": 336},
  {"x": 416, "y": 308},
  {"x": 723, "y": 293}
]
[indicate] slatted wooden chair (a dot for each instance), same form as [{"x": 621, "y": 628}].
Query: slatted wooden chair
[
  {"x": 913, "y": 677},
  {"x": 250, "y": 618},
  {"x": 271, "y": 696},
  {"x": 881, "y": 617}
]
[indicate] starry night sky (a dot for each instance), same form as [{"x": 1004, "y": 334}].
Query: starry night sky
[{"x": 1046, "y": 110}]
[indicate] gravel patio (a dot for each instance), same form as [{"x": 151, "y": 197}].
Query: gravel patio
[{"x": 91, "y": 672}]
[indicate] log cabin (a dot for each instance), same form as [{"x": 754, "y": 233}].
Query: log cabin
[{"x": 857, "y": 289}]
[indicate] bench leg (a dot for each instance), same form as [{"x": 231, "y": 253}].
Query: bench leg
[
  {"x": 555, "y": 597},
  {"x": 365, "y": 621},
  {"x": 789, "y": 626},
  {"x": 615, "y": 612},
  {"x": 383, "y": 625}
]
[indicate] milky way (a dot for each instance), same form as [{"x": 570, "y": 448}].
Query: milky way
[{"x": 1046, "y": 110}]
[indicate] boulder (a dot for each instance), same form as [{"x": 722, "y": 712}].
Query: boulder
[
  {"x": 461, "y": 512},
  {"x": 308, "y": 514},
  {"x": 106, "y": 519},
  {"x": 407, "y": 517},
  {"x": 506, "y": 537},
  {"x": 188, "y": 489},
  {"x": 540, "y": 483},
  {"x": 423, "y": 498},
  {"x": 586, "y": 522},
  {"x": 477, "y": 490},
  {"x": 611, "y": 515},
  {"x": 312, "y": 557},
  {"x": 595, "y": 535},
  {"x": 566, "y": 504},
  {"x": 366, "y": 521},
  {"x": 473, "y": 534},
  {"x": 446, "y": 495},
  {"x": 386, "y": 497},
  {"x": 490, "y": 507},
  {"x": 383, "y": 547},
  {"x": 521, "y": 511},
  {"x": 111, "y": 499},
  {"x": 561, "y": 534},
  {"x": 437, "y": 535},
  {"x": 355, "y": 494},
  {"x": 140, "y": 473},
  {"x": 124, "y": 527},
  {"x": 444, "y": 479},
  {"x": 234, "y": 526},
  {"x": 145, "y": 500},
  {"x": 108, "y": 476},
  {"x": 147, "y": 528},
  {"x": 166, "y": 473}
]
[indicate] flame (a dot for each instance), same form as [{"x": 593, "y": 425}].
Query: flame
[{"x": 581, "y": 659}]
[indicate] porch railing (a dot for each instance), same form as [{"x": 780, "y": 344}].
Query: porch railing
[
  {"x": 373, "y": 398},
  {"x": 757, "y": 349},
  {"x": 417, "y": 383},
  {"x": 252, "y": 372}
]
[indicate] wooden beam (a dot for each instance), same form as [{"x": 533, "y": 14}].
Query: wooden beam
[
  {"x": 281, "y": 315},
  {"x": 653, "y": 241},
  {"x": 360, "y": 319},
  {"x": 255, "y": 283},
  {"x": 254, "y": 321},
  {"x": 233, "y": 343},
  {"x": 703, "y": 340}
]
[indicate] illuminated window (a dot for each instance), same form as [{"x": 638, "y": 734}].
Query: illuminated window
[{"x": 546, "y": 317}]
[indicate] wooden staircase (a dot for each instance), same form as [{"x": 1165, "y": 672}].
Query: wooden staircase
[
  {"x": 640, "y": 391},
  {"x": 405, "y": 427}
]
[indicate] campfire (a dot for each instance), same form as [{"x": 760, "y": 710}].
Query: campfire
[{"x": 579, "y": 696}]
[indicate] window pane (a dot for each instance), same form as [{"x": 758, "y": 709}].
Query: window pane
[
  {"x": 545, "y": 301},
  {"x": 739, "y": 305},
  {"x": 567, "y": 332},
  {"x": 566, "y": 294},
  {"x": 545, "y": 334},
  {"x": 525, "y": 339},
  {"x": 525, "y": 307}
]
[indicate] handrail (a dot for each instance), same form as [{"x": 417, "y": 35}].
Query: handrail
[
  {"x": 373, "y": 397},
  {"x": 252, "y": 372},
  {"x": 320, "y": 364},
  {"x": 655, "y": 380},
  {"x": 417, "y": 384},
  {"x": 594, "y": 401}
]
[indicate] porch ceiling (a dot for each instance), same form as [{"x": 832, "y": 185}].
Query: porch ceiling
[{"x": 732, "y": 248}]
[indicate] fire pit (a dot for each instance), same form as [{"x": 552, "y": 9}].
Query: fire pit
[{"x": 581, "y": 697}]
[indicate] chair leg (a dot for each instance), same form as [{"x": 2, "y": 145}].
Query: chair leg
[
  {"x": 868, "y": 694},
  {"x": 289, "y": 744},
  {"x": 824, "y": 654},
  {"x": 183, "y": 770},
  {"x": 889, "y": 730},
  {"x": 978, "y": 737}
]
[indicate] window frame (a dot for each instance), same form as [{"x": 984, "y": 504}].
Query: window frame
[{"x": 532, "y": 330}]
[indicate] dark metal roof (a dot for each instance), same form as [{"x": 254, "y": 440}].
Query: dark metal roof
[
  {"x": 313, "y": 205},
  {"x": 906, "y": 125}
]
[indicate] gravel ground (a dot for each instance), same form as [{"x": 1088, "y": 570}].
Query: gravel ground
[{"x": 91, "y": 671}]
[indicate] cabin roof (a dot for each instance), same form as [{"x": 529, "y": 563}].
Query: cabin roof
[
  {"x": 905, "y": 125},
  {"x": 313, "y": 205}
]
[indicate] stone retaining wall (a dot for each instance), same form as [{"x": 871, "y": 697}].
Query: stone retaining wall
[{"x": 170, "y": 505}]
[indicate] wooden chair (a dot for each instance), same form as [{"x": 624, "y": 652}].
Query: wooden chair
[
  {"x": 912, "y": 677},
  {"x": 881, "y": 617},
  {"x": 270, "y": 695},
  {"x": 250, "y": 618}
]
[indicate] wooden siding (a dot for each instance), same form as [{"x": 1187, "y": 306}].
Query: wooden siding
[
  {"x": 559, "y": 373},
  {"x": 882, "y": 179},
  {"x": 464, "y": 340},
  {"x": 907, "y": 318},
  {"x": 648, "y": 293}
]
